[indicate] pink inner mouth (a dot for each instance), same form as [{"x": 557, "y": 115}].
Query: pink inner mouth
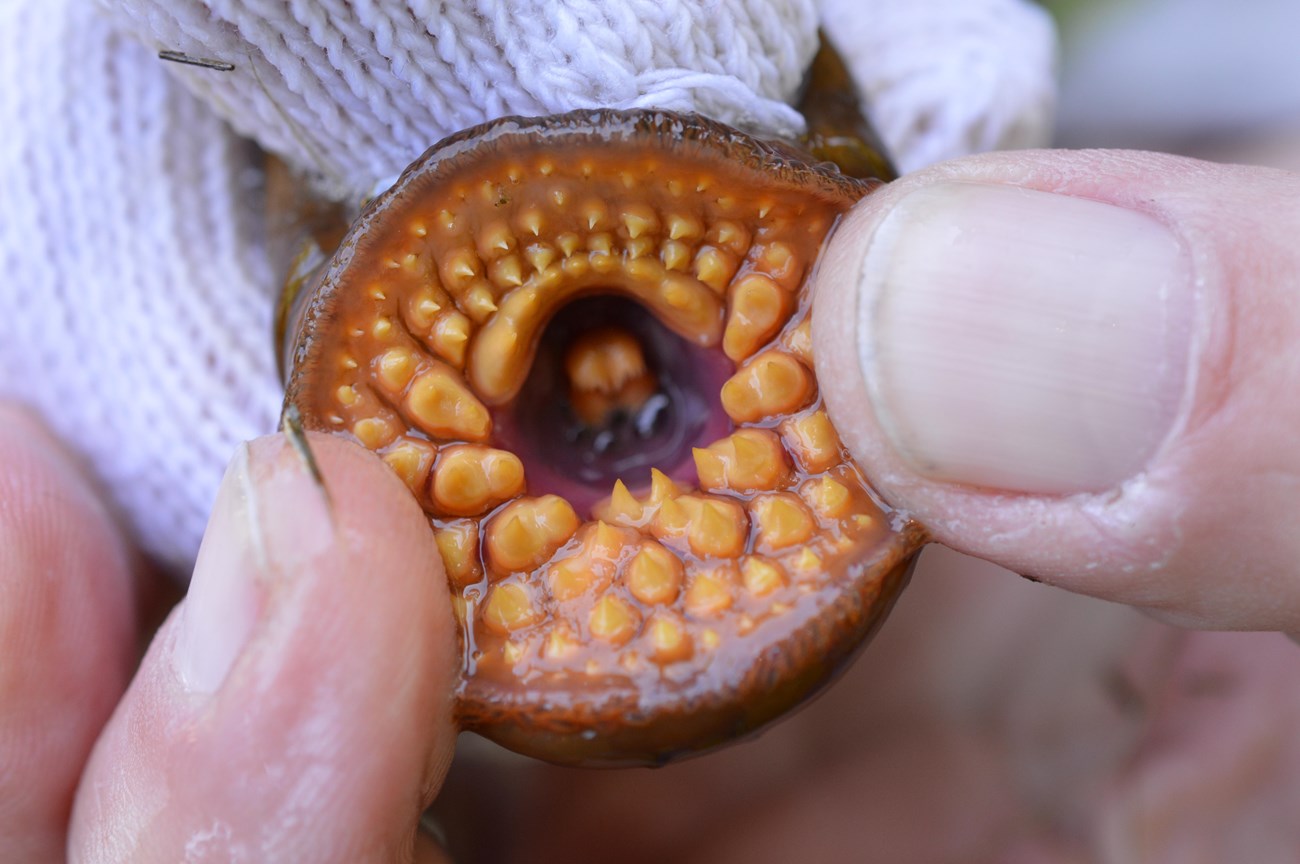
[{"x": 565, "y": 456}]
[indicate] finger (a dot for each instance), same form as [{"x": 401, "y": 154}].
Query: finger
[
  {"x": 66, "y": 634},
  {"x": 297, "y": 705},
  {"x": 1084, "y": 367}
]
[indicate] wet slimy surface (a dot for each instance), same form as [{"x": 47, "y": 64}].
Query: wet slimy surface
[{"x": 583, "y": 343}]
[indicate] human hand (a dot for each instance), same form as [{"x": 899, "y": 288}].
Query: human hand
[
  {"x": 296, "y": 706},
  {"x": 1099, "y": 395}
]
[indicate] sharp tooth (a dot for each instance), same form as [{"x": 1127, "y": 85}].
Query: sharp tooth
[
  {"x": 669, "y": 640},
  {"x": 709, "y": 593},
  {"x": 813, "y": 440},
  {"x": 374, "y": 432},
  {"x": 761, "y": 577},
  {"x": 458, "y": 544},
  {"x": 568, "y": 243},
  {"x": 382, "y": 328},
  {"x": 745, "y": 461},
  {"x": 613, "y": 620},
  {"x": 654, "y": 575},
  {"x": 683, "y": 227},
  {"x": 595, "y": 212},
  {"x": 395, "y": 368},
  {"x": 540, "y": 255},
  {"x": 459, "y": 268},
  {"x": 718, "y": 529},
  {"x": 731, "y": 235},
  {"x": 495, "y": 239},
  {"x": 509, "y": 608},
  {"x": 447, "y": 220},
  {"x": 575, "y": 576},
  {"x": 449, "y": 336},
  {"x": 530, "y": 221},
  {"x": 676, "y": 255},
  {"x": 621, "y": 508},
  {"x": 479, "y": 302},
  {"x": 829, "y": 497},
  {"x": 662, "y": 488},
  {"x": 411, "y": 459},
  {"x": 508, "y": 272},
  {"x": 714, "y": 267},
  {"x": 639, "y": 219},
  {"x": 783, "y": 520}
]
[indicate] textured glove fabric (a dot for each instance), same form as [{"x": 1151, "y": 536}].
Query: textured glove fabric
[{"x": 135, "y": 295}]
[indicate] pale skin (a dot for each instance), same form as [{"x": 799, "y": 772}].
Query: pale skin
[{"x": 325, "y": 733}]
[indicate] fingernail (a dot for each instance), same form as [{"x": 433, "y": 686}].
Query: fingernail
[
  {"x": 270, "y": 521},
  {"x": 1023, "y": 340}
]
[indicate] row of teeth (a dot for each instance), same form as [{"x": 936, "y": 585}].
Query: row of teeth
[{"x": 648, "y": 568}]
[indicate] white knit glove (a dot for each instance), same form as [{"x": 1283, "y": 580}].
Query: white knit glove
[{"x": 136, "y": 296}]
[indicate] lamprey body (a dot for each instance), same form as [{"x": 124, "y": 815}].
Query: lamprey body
[{"x": 583, "y": 343}]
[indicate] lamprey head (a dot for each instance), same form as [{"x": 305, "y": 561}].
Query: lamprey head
[{"x": 583, "y": 342}]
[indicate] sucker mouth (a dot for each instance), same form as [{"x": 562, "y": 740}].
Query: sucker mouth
[{"x": 583, "y": 342}]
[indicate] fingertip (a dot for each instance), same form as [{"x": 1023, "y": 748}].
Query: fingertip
[
  {"x": 301, "y": 696},
  {"x": 1064, "y": 363},
  {"x": 66, "y": 632}
]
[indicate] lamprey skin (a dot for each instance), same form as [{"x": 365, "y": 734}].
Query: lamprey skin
[{"x": 583, "y": 342}]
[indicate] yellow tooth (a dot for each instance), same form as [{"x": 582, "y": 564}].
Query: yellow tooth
[
  {"x": 676, "y": 255},
  {"x": 710, "y": 639},
  {"x": 347, "y": 362},
  {"x": 540, "y": 255},
  {"x": 382, "y": 328},
  {"x": 470, "y": 480},
  {"x": 530, "y": 222},
  {"x": 600, "y": 243},
  {"x": 595, "y": 213},
  {"x": 712, "y": 527},
  {"x": 829, "y": 497},
  {"x": 495, "y": 239},
  {"x": 720, "y": 530},
  {"x": 507, "y": 272},
  {"x": 577, "y": 575},
  {"x": 603, "y": 360},
  {"x": 771, "y": 383},
  {"x": 639, "y": 219},
  {"x": 545, "y": 168},
  {"x": 376, "y": 292},
  {"x": 807, "y": 562},
  {"x": 568, "y": 243},
  {"x": 528, "y": 531},
  {"x": 561, "y": 644},
  {"x": 710, "y": 591},
  {"x": 479, "y": 303},
  {"x": 799, "y": 341},
  {"x": 458, "y": 268},
  {"x": 682, "y": 227},
  {"x": 758, "y": 309},
  {"x": 458, "y": 544},
  {"x": 374, "y": 432},
  {"x": 761, "y": 577},
  {"x": 662, "y": 488},
  {"x": 411, "y": 459},
  {"x": 443, "y": 406},
  {"x": 621, "y": 508},
  {"x": 669, "y": 641},
  {"x": 394, "y": 369},
  {"x": 654, "y": 575},
  {"x": 607, "y": 542},
  {"x": 714, "y": 267},
  {"x": 420, "y": 310},
  {"x": 613, "y": 620},
  {"x": 745, "y": 461},
  {"x": 813, "y": 441},
  {"x": 490, "y": 192},
  {"x": 778, "y": 260},
  {"x": 676, "y": 188},
  {"x": 730, "y": 235},
  {"x": 559, "y": 197},
  {"x": 640, "y": 247},
  {"x": 783, "y": 520},
  {"x": 575, "y": 267},
  {"x": 449, "y": 337},
  {"x": 346, "y": 395},
  {"x": 509, "y": 608},
  {"x": 446, "y": 220}
]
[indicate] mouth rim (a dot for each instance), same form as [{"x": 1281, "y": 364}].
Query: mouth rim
[{"x": 825, "y": 640}]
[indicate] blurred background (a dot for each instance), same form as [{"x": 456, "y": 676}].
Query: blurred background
[{"x": 1199, "y": 77}]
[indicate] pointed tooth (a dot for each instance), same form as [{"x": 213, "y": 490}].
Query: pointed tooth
[
  {"x": 761, "y": 577},
  {"x": 710, "y": 592},
  {"x": 531, "y": 221},
  {"x": 540, "y": 255},
  {"x": 459, "y": 268},
  {"x": 479, "y": 303},
  {"x": 676, "y": 255},
  {"x": 770, "y": 384},
  {"x": 568, "y": 243},
  {"x": 528, "y": 531},
  {"x": 411, "y": 459},
  {"x": 508, "y": 272},
  {"x": 783, "y": 520},
  {"x": 669, "y": 641},
  {"x": 374, "y": 432},
  {"x": 715, "y": 267},
  {"x": 662, "y": 488},
  {"x": 509, "y": 608},
  {"x": 613, "y": 620},
  {"x": 757, "y": 311},
  {"x": 469, "y": 480},
  {"x": 814, "y": 441},
  {"x": 394, "y": 369},
  {"x": 639, "y": 219},
  {"x": 495, "y": 239},
  {"x": 829, "y": 497},
  {"x": 654, "y": 575},
  {"x": 458, "y": 544},
  {"x": 683, "y": 227},
  {"x": 719, "y": 529}
]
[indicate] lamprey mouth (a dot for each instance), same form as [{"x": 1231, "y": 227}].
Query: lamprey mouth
[{"x": 583, "y": 342}]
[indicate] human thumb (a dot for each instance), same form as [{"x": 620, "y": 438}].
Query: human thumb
[{"x": 1084, "y": 367}]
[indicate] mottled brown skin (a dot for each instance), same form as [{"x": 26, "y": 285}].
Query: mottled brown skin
[{"x": 684, "y": 612}]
